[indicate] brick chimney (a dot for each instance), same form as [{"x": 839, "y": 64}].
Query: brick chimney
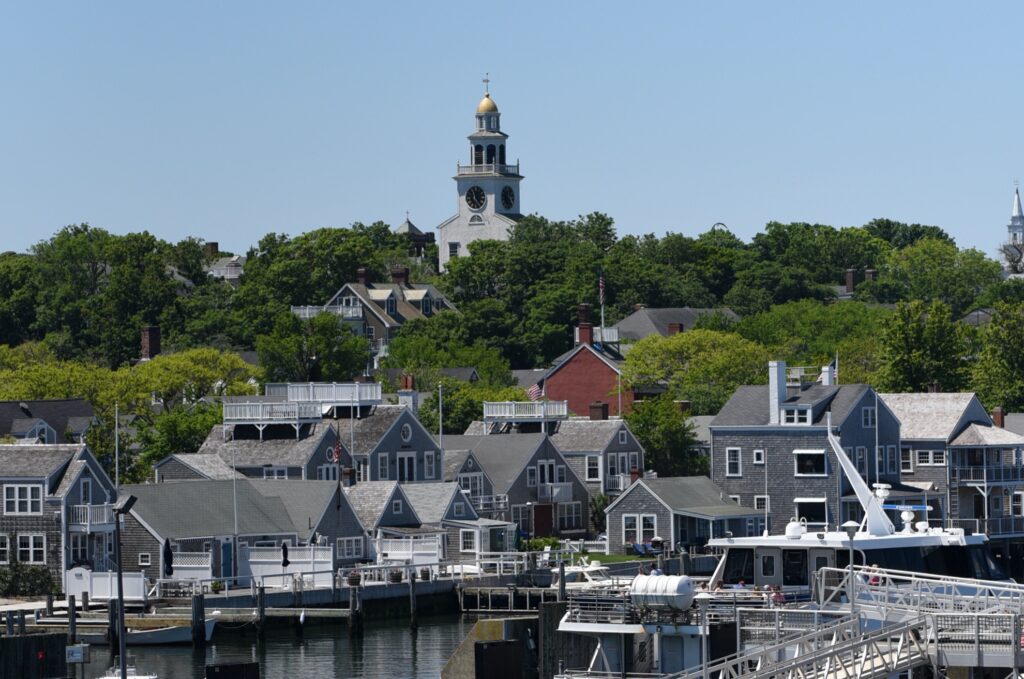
[
  {"x": 598, "y": 410},
  {"x": 850, "y": 279},
  {"x": 585, "y": 328},
  {"x": 150, "y": 342},
  {"x": 211, "y": 249},
  {"x": 998, "y": 415},
  {"x": 400, "y": 275},
  {"x": 933, "y": 387},
  {"x": 362, "y": 276},
  {"x": 675, "y": 328},
  {"x": 347, "y": 476},
  {"x": 869, "y": 274},
  {"x": 638, "y": 307},
  {"x": 634, "y": 475}
]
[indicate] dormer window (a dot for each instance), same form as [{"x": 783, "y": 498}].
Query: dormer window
[
  {"x": 796, "y": 415},
  {"x": 427, "y": 307},
  {"x": 392, "y": 307}
]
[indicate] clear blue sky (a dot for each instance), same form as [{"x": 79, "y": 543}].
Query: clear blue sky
[{"x": 228, "y": 120}]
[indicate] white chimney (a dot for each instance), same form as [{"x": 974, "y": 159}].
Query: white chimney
[
  {"x": 828, "y": 378},
  {"x": 776, "y": 389}
]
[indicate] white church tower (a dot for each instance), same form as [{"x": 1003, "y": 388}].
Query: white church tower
[
  {"x": 1016, "y": 226},
  {"x": 488, "y": 188}
]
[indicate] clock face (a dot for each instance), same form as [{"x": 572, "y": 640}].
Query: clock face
[
  {"x": 508, "y": 197},
  {"x": 475, "y": 197}
]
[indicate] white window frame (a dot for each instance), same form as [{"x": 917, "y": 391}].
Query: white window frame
[
  {"x": 428, "y": 464},
  {"x": 460, "y": 509},
  {"x": 403, "y": 464},
  {"x": 275, "y": 472},
  {"x": 348, "y": 548},
  {"x": 654, "y": 529},
  {"x": 907, "y": 463},
  {"x": 32, "y": 549},
  {"x": 635, "y": 529},
  {"x": 736, "y": 498},
  {"x": 462, "y": 540},
  {"x": 327, "y": 472},
  {"x": 729, "y": 461},
  {"x": 531, "y": 477},
  {"x": 145, "y": 559},
  {"x": 520, "y": 515},
  {"x": 85, "y": 490},
  {"x": 931, "y": 458},
  {"x": 892, "y": 462},
  {"x": 78, "y": 546},
  {"x": 383, "y": 470},
  {"x": 758, "y": 456},
  {"x": 596, "y": 460},
  {"x": 797, "y": 452},
  {"x": 622, "y": 437},
  {"x": 868, "y": 417},
  {"x": 862, "y": 460},
  {"x": 634, "y": 461},
  {"x": 396, "y": 506},
  {"x": 13, "y": 500},
  {"x": 613, "y": 464},
  {"x": 811, "y": 500},
  {"x": 766, "y": 500},
  {"x": 5, "y": 550},
  {"x": 1017, "y": 503},
  {"x": 560, "y": 474},
  {"x": 570, "y": 516}
]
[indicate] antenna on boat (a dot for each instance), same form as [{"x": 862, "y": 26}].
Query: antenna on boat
[{"x": 878, "y": 524}]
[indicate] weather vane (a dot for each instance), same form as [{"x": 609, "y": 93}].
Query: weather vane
[{"x": 487, "y": 83}]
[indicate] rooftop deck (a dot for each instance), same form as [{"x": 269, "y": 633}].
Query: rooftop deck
[
  {"x": 328, "y": 394},
  {"x": 525, "y": 411}
]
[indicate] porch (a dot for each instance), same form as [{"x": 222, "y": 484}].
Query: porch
[{"x": 90, "y": 518}]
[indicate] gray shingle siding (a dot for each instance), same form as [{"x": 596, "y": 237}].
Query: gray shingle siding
[
  {"x": 393, "y": 445},
  {"x": 638, "y": 501},
  {"x": 174, "y": 470}
]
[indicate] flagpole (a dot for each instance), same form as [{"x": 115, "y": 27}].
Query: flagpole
[{"x": 117, "y": 450}]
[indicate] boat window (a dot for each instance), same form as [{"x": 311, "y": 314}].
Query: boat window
[
  {"x": 768, "y": 565},
  {"x": 598, "y": 575},
  {"x": 794, "y": 567},
  {"x": 820, "y": 562},
  {"x": 739, "y": 565}
]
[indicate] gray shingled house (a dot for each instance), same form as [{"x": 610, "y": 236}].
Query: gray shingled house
[
  {"x": 385, "y": 512},
  {"x": 967, "y": 463},
  {"x": 390, "y": 444},
  {"x": 525, "y": 473},
  {"x": 770, "y": 449},
  {"x": 57, "y": 508},
  {"x": 193, "y": 467},
  {"x": 644, "y": 322},
  {"x": 603, "y": 452},
  {"x": 199, "y": 517},
  {"x": 447, "y": 506},
  {"x": 683, "y": 511},
  {"x": 58, "y": 420}
]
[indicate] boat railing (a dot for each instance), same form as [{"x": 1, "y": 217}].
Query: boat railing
[{"x": 604, "y": 608}]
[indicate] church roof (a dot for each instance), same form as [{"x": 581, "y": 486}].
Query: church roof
[
  {"x": 1017, "y": 212},
  {"x": 409, "y": 228},
  {"x": 487, "y": 104}
]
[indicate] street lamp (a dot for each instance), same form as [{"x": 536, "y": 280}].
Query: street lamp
[
  {"x": 703, "y": 600},
  {"x": 851, "y": 528},
  {"x": 123, "y": 506}
]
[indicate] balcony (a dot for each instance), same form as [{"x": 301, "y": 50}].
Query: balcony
[
  {"x": 619, "y": 482},
  {"x": 525, "y": 411},
  {"x": 348, "y": 313},
  {"x": 89, "y": 518},
  {"x": 489, "y": 503},
  {"x": 554, "y": 492},
  {"x": 328, "y": 393},
  {"x": 987, "y": 474},
  {"x": 601, "y": 335},
  {"x": 263, "y": 413},
  {"x": 489, "y": 168}
]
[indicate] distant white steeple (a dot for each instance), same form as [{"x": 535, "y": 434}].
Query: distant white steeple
[{"x": 1016, "y": 226}]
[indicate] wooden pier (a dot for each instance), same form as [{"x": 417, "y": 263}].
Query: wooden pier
[{"x": 507, "y": 599}]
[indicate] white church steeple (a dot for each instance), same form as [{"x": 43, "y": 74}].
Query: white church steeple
[{"x": 1016, "y": 226}]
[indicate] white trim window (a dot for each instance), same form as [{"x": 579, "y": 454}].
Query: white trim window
[
  {"x": 428, "y": 464},
  {"x": 531, "y": 477},
  {"x": 613, "y": 469},
  {"x": 634, "y": 461},
  {"x": 570, "y": 516},
  {"x": 23, "y": 499},
  {"x": 1017, "y": 503},
  {"x": 86, "y": 491},
  {"x": 892, "y": 460},
  {"x": 467, "y": 540},
  {"x": 327, "y": 472},
  {"x": 868, "y": 420},
  {"x": 79, "y": 547},
  {"x": 648, "y": 527},
  {"x": 349, "y": 548},
  {"x": 145, "y": 559},
  {"x": 736, "y": 498},
  {"x": 733, "y": 462},
  {"x": 560, "y": 474},
  {"x": 763, "y": 503},
  {"x": 32, "y": 548},
  {"x": 862, "y": 460},
  {"x": 629, "y": 529},
  {"x": 622, "y": 437},
  {"x": 814, "y": 509},
  {"x": 275, "y": 472},
  {"x": 907, "y": 460},
  {"x": 382, "y": 467},
  {"x": 521, "y": 516},
  {"x": 796, "y": 415},
  {"x": 639, "y": 527},
  {"x": 931, "y": 458},
  {"x": 809, "y": 463},
  {"x": 593, "y": 467},
  {"x": 758, "y": 455},
  {"x": 396, "y": 506},
  {"x": 5, "y": 550},
  {"x": 459, "y": 510}
]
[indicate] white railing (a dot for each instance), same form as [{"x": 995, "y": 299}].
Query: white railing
[
  {"x": 341, "y": 393},
  {"x": 554, "y": 492},
  {"x": 606, "y": 335},
  {"x": 525, "y": 410},
  {"x": 103, "y": 586},
  {"x": 346, "y": 312},
  {"x": 620, "y": 482},
  {"x": 428, "y": 549},
  {"x": 256, "y": 412},
  {"x": 91, "y": 515},
  {"x": 192, "y": 566},
  {"x": 487, "y": 168},
  {"x": 489, "y": 503},
  {"x": 310, "y": 564},
  {"x": 987, "y": 474}
]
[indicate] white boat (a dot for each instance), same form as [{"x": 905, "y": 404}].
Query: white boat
[
  {"x": 161, "y": 636},
  {"x": 589, "y": 575},
  {"x": 115, "y": 672},
  {"x": 790, "y": 561}
]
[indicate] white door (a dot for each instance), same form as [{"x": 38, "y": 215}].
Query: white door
[
  {"x": 769, "y": 567},
  {"x": 407, "y": 467},
  {"x": 546, "y": 471}
]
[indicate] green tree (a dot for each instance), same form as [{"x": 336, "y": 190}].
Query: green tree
[
  {"x": 322, "y": 348},
  {"x": 598, "y": 503},
  {"x": 667, "y": 437},
  {"x": 900, "y": 235},
  {"x": 700, "y": 366},
  {"x": 998, "y": 375},
  {"x": 463, "y": 403},
  {"x": 180, "y": 431},
  {"x": 921, "y": 346}
]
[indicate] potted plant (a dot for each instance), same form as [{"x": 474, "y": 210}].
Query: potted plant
[
  {"x": 395, "y": 576},
  {"x": 216, "y": 586},
  {"x": 354, "y": 578},
  {"x": 424, "y": 574}
]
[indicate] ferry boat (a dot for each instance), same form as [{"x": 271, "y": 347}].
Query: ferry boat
[{"x": 790, "y": 561}]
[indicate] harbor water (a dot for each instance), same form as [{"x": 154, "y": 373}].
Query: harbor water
[{"x": 387, "y": 649}]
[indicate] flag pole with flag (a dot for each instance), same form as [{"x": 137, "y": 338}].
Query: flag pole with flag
[{"x": 534, "y": 393}]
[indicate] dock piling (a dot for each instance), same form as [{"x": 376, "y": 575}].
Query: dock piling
[
  {"x": 72, "y": 620},
  {"x": 355, "y": 612},
  {"x": 261, "y": 608},
  {"x": 49, "y": 605},
  {"x": 21, "y": 622},
  {"x": 198, "y": 620},
  {"x": 413, "y": 623},
  {"x": 85, "y": 602},
  {"x": 561, "y": 580}
]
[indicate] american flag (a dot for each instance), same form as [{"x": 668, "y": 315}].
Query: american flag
[
  {"x": 600, "y": 288},
  {"x": 336, "y": 455},
  {"x": 534, "y": 392}
]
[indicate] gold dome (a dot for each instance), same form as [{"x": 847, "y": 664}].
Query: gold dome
[{"x": 487, "y": 105}]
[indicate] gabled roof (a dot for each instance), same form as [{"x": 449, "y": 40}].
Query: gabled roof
[
  {"x": 71, "y": 474},
  {"x": 208, "y": 465},
  {"x": 987, "y": 435},
  {"x": 251, "y": 452},
  {"x": 205, "y": 508},
  {"x": 370, "y": 430},
  {"x": 502, "y": 457},
  {"x": 692, "y": 495},
  {"x": 645, "y": 322},
  {"x": 933, "y": 417},
  {"x": 702, "y": 427},
  {"x": 430, "y": 501},
  {"x": 579, "y": 435},
  {"x": 369, "y": 499},
  {"x": 62, "y": 414},
  {"x": 35, "y": 460},
  {"x": 749, "y": 406}
]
